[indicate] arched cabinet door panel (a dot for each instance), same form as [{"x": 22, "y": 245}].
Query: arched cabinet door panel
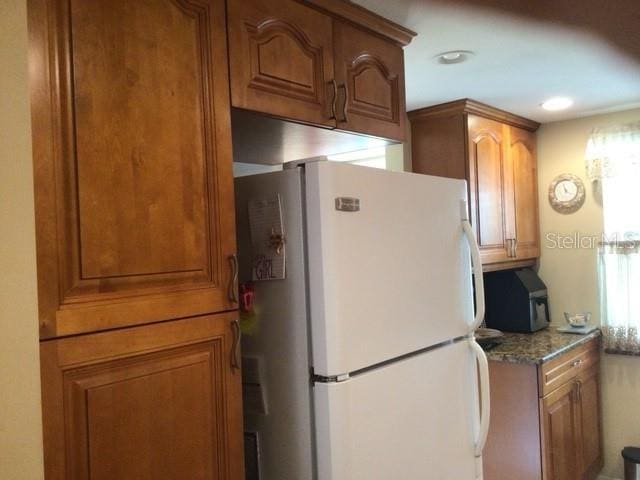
[
  {"x": 489, "y": 192},
  {"x": 133, "y": 167},
  {"x": 522, "y": 152},
  {"x": 370, "y": 83},
  {"x": 281, "y": 59}
]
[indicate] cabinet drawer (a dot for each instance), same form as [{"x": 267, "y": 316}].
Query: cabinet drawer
[{"x": 565, "y": 368}]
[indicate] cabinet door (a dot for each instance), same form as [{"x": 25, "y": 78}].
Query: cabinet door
[
  {"x": 522, "y": 155},
  {"x": 487, "y": 187},
  {"x": 561, "y": 434},
  {"x": 281, "y": 59},
  {"x": 133, "y": 166},
  {"x": 589, "y": 396},
  {"x": 153, "y": 402},
  {"x": 370, "y": 83}
]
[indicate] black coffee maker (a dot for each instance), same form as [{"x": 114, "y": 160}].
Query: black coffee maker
[{"x": 516, "y": 301}]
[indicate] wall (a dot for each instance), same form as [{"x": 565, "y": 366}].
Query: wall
[
  {"x": 571, "y": 275},
  {"x": 20, "y": 417}
]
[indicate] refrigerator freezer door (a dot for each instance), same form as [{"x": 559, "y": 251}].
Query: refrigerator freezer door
[
  {"x": 390, "y": 277},
  {"x": 415, "y": 419}
]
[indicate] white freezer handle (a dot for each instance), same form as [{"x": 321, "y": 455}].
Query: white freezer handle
[
  {"x": 485, "y": 407},
  {"x": 478, "y": 280}
]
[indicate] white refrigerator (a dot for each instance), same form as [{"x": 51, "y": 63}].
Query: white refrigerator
[{"x": 361, "y": 362}]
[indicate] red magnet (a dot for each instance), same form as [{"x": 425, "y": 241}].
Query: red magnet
[{"x": 246, "y": 297}]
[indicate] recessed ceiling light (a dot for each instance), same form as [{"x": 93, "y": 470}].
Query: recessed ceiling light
[
  {"x": 453, "y": 56},
  {"x": 557, "y": 103}
]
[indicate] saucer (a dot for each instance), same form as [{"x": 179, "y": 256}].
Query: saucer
[{"x": 579, "y": 330}]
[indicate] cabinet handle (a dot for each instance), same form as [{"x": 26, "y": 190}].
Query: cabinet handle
[
  {"x": 576, "y": 363},
  {"x": 515, "y": 247},
  {"x": 509, "y": 247},
  {"x": 343, "y": 87},
  {"x": 232, "y": 293},
  {"x": 579, "y": 391},
  {"x": 235, "y": 349},
  {"x": 334, "y": 97}
]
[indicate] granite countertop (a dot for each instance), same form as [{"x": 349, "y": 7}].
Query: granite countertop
[{"x": 538, "y": 347}]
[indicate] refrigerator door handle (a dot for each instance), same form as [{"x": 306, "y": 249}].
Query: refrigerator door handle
[
  {"x": 476, "y": 265},
  {"x": 485, "y": 407}
]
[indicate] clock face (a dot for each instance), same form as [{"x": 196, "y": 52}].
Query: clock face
[{"x": 566, "y": 191}]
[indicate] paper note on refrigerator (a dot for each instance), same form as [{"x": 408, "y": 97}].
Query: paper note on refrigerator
[{"x": 267, "y": 239}]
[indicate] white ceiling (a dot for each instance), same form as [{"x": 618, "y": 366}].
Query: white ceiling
[{"x": 518, "y": 63}]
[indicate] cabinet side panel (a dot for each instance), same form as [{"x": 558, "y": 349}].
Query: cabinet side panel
[
  {"x": 513, "y": 444},
  {"x": 438, "y": 147}
]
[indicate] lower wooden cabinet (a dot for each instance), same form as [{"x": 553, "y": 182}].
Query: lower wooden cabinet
[
  {"x": 545, "y": 420},
  {"x": 160, "y": 401},
  {"x": 561, "y": 435},
  {"x": 571, "y": 429}
]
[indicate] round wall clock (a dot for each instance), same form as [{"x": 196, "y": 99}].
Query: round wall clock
[{"x": 566, "y": 193}]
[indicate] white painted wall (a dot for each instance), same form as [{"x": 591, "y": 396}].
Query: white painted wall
[
  {"x": 571, "y": 275},
  {"x": 20, "y": 415}
]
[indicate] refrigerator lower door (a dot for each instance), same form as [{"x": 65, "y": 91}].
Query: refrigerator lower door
[{"x": 415, "y": 419}]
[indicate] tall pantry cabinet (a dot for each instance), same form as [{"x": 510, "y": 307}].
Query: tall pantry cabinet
[{"x": 135, "y": 239}]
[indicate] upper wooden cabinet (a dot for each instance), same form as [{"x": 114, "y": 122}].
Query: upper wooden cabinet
[
  {"x": 133, "y": 165},
  {"x": 495, "y": 152},
  {"x": 488, "y": 189},
  {"x": 302, "y": 61},
  {"x": 369, "y": 75},
  {"x": 522, "y": 153},
  {"x": 281, "y": 59}
]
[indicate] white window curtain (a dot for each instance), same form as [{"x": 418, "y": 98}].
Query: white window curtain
[
  {"x": 613, "y": 152},
  {"x": 620, "y": 296},
  {"x": 613, "y": 159}
]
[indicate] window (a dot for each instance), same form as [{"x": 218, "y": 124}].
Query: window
[
  {"x": 621, "y": 203},
  {"x": 613, "y": 160},
  {"x": 373, "y": 157}
]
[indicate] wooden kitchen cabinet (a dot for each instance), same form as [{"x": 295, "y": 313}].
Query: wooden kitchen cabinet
[
  {"x": 133, "y": 166},
  {"x": 281, "y": 59},
  {"x": 522, "y": 154},
  {"x": 590, "y": 423},
  {"x": 495, "y": 152},
  {"x": 488, "y": 187},
  {"x": 322, "y": 62},
  {"x": 369, "y": 73},
  {"x": 561, "y": 434},
  {"x": 153, "y": 402},
  {"x": 546, "y": 419},
  {"x": 135, "y": 229}
]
